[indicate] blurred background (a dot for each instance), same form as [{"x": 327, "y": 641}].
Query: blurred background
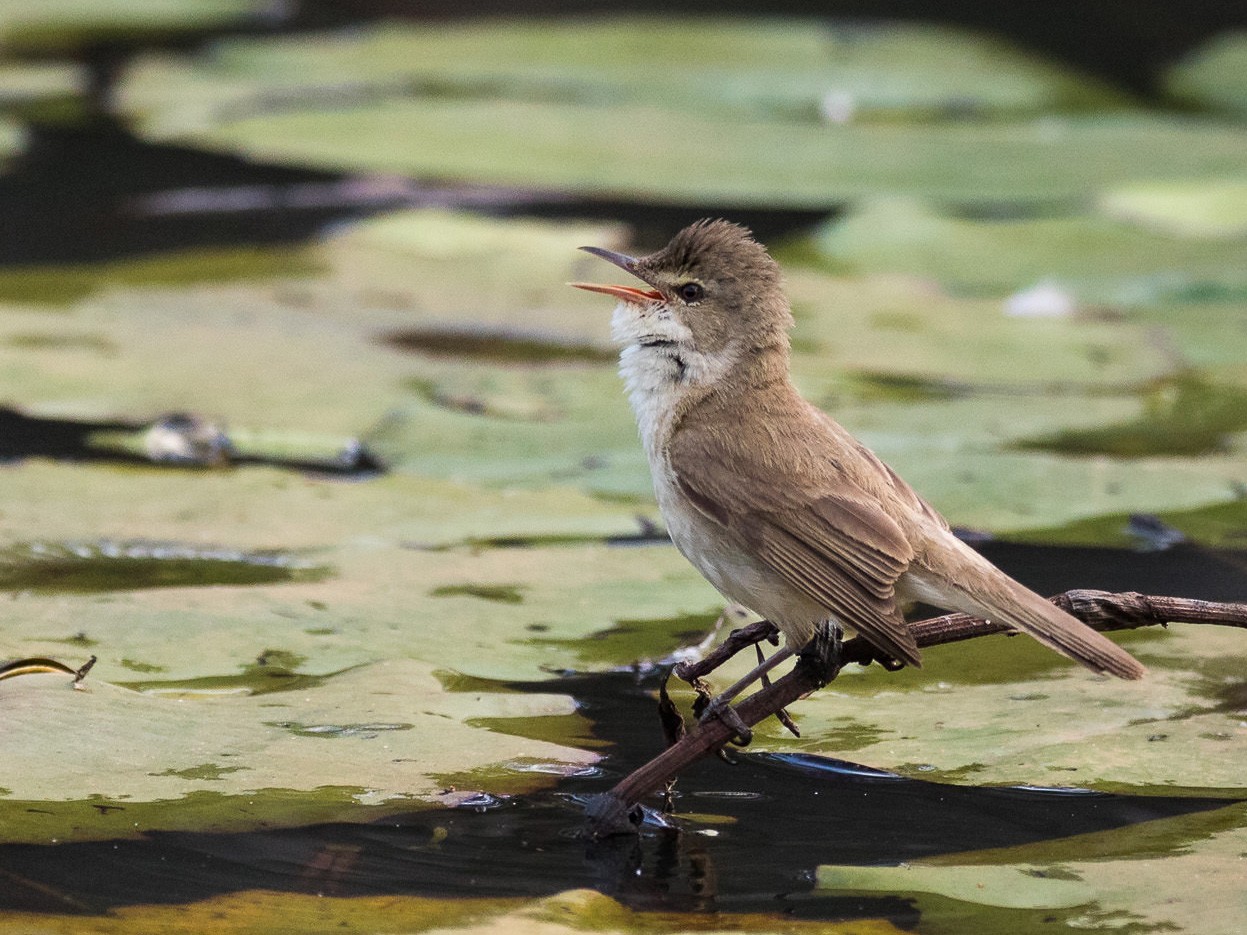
[{"x": 295, "y": 406}]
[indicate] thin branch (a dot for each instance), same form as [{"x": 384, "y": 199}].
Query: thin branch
[{"x": 615, "y": 812}]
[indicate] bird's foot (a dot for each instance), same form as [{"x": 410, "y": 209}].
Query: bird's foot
[
  {"x": 822, "y": 657},
  {"x": 720, "y": 708}
]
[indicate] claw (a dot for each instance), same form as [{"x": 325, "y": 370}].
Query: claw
[{"x": 721, "y": 709}]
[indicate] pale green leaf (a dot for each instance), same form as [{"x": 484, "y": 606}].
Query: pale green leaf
[
  {"x": 28, "y": 83},
  {"x": 613, "y": 109},
  {"x": 1214, "y": 75},
  {"x": 566, "y": 913},
  {"x": 1012, "y": 887},
  {"x": 1208, "y": 209},
  {"x": 1095, "y": 259},
  {"x": 388, "y": 731},
  {"x": 70, "y": 23},
  {"x": 998, "y": 710},
  {"x": 795, "y": 69},
  {"x": 704, "y": 158}
]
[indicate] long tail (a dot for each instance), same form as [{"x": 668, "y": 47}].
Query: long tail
[{"x": 1006, "y": 601}]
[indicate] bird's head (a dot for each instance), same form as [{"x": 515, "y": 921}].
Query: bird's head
[{"x": 714, "y": 296}]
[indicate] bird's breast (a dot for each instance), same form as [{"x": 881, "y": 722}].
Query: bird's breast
[{"x": 728, "y": 565}]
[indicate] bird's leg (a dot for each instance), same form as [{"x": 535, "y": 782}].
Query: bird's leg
[
  {"x": 706, "y": 704},
  {"x": 822, "y": 657},
  {"x": 782, "y": 714},
  {"x": 721, "y": 706},
  {"x": 693, "y": 672}
]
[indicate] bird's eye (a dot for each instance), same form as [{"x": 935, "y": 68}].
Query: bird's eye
[{"x": 691, "y": 291}]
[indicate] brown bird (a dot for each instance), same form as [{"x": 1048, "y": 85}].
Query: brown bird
[{"x": 779, "y": 507}]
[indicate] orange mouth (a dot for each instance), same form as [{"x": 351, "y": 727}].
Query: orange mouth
[{"x": 626, "y": 293}]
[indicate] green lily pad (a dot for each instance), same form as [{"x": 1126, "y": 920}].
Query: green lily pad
[
  {"x": 12, "y": 140},
  {"x": 511, "y": 386},
  {"x": 56, "y": 286},
  {"x": 268, "y": 509},
  {"x": 1011, "y": 887},
  {"x": 66, "y": 24},
  {"x": 1003, "y": 491},
  {"x": 341, "y": 314},
  {"x": 1137, "y": 877},
  {"x": 665, "y": 135},
  {"x": 1205, "y": 333},
  {"x": 1213, "y": 76},
  {"x": 1095, "y": 259},
  {"x": 92, "y": 567},
  {"x": 899, "y": 326},
  {"x": 582, "y": 608},
  {"x": 1221, "y": 524},
  {"x": 565, "y": 913},
  {"x": 579, "y": 148},
  {"x": 1181, "y": 417},
  {"x": 43, "y": 90},
  {"x": 461, "y": 273},
  {"x": 800, "y": 70},
  {"x": 356, "y": 729},
  {"x": 1156, "y": 891},
  {"x": 1008, "y": 711},
  {"x": 1204, "y": 209}
]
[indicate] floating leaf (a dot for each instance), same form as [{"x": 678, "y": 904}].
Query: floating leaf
[
  {"x": 268, "y": 509},
  {"x": 523, "y": 117},
  {"x": 12, "y": 140},
  {"x": 1214, "y": 75},
  {"x": 1002, "y": 710},
  {"x": 578, "y": 148},
  {"x": 567, "y": 913},
  {"x": 455, "y": 274},
  {"x": 1181, "y": 417},
  {"x": 1099, "y": 260},
  {"x": 1133, "y": 877},
  {"x": 84, "y": 567},
  {"x": 1012, "y": 887},
  {"x": 43, "y": 90},
  {"x": 388, "y": 728},
  {"x": 61, "y": 24},
  {"x": 901, "y": 326},
  {"x": 44, "y": 286},
  {"x": 790, "y": 68},
  {"x": 1222, "y": 524},
  {"x": 1206, "y": 209}
]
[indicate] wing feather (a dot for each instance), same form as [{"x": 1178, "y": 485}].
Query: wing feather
[{"x": 840, "y": 550}]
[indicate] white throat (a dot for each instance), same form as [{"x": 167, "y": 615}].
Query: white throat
[{"x": 660, "y": 367}]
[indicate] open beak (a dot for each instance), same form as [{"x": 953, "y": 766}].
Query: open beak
[{"x": 626, "y": 293}]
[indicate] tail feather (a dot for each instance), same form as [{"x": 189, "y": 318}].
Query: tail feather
[{"x": 1009, "y": 602}]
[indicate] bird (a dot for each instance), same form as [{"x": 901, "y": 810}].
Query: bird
[{"x": 776, "y": 504}]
